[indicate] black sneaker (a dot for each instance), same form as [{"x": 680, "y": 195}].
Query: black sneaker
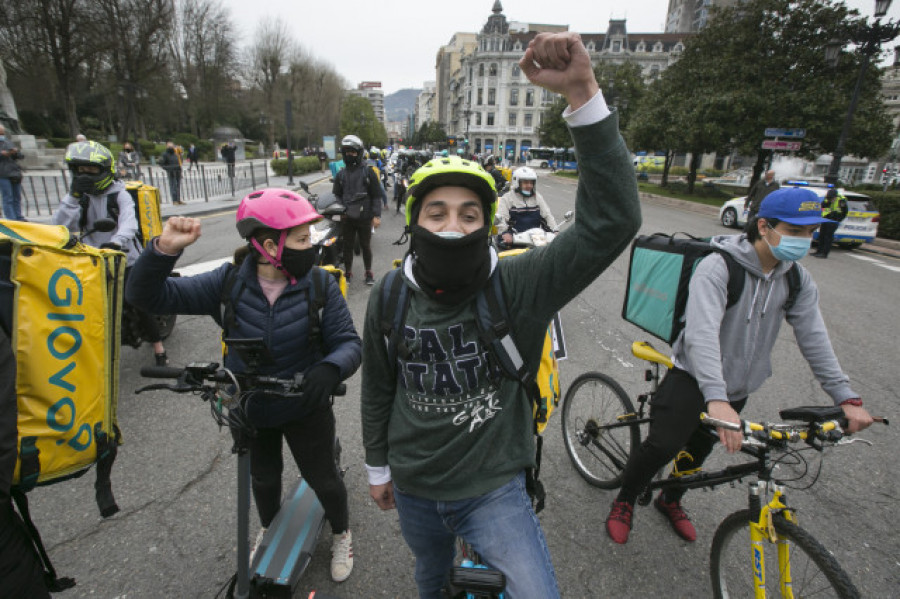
[
  {"x": 162, "y": 359},
  {"x": 370, "y": 279}
]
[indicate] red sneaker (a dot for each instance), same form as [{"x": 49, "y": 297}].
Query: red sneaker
[
  {"x": 678, "y": 518},
  {"x": 618, "y": 523}
]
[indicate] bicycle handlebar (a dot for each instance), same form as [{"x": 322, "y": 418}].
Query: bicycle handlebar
[
  {"x": 192, "y": 377},
  {"x": 827, "y": 430}
]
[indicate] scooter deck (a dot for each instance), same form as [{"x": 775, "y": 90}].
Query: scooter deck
[{"x": 288, "y": 545}]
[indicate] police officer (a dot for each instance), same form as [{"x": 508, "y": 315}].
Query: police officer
[{"x": 834, "y": 208}]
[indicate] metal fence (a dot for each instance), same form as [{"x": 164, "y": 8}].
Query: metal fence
[{"x": 42, "y": 191}]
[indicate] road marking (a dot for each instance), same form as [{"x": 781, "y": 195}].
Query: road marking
[
  {"x": 876, "y": 262},
  {"x": 201, "y": 267}
]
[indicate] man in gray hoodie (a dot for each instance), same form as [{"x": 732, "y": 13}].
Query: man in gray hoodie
[{"x": 723, "y": 355}]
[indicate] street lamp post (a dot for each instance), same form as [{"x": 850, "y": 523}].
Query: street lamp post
[
  {"x": 869, "y": 39},
  {"x": 467, "y": 113}
]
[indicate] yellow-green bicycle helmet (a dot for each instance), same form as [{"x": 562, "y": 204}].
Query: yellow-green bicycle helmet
[{"x": 452, "y": 170}]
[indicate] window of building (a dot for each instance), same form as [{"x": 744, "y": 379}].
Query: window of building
[
  {"x": 658, "y": 47},
  {"x": 477, "y": 118},
  {"x": 617, "y": 46},
  {"x": 641, "y": 47},
  {"x": 591, "y": 47},
  {"x": 517, "y": 48},
  {"x": 528, "y": 118},
  {"x": 512, "y": 119},
  {"x": 678, "y": 47},
  {"x": 470, "y": 73},
  {"x": 654, "y": 72},
  {"x": 492, "y": 70},
  {"x": 529, "y": 97},
  {"x": 514, "y": 97},
  {"x": 481, "y": 70},
  {"x": 516, "y": 71},
  {"x": 490, "y": 119},
  {"x": 480, "y": 96},
  {"x": 492, "y": 96}
]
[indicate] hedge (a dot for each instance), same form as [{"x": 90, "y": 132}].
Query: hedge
[
  {"x": 888, "y": 203},
  {"x": 302, "y": 164}
]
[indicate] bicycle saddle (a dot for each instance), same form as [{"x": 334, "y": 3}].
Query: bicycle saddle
[{"x": 813, "y": 413}]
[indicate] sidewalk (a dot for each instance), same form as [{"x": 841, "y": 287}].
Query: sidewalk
[{"x": 885, "y": 247}]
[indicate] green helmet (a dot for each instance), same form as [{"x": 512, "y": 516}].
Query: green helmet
[
  {"x": 452, "y": 170},
  {"x": 90, "y": 153}
]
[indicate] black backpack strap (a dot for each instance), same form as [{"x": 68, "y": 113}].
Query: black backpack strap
[
  {"x": 228, "y": 299},
  {"x": 53, "y": 582},
  {"x": 736, "y": 278},
  {"x": 112, "y": 206},
  {"x": 317, "y": 295},
  {"x": 794, "y": 285},
  {"x": 83, "y": 203},
  {"x": 394, "y": 307},
  {"x": 492, "y": 317},
  {"x": 496, "y": 335}
]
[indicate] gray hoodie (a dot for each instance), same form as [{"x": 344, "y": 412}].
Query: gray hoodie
[
  {"x": 729, "y": 352},
  {"x": 125, "y": 234}
]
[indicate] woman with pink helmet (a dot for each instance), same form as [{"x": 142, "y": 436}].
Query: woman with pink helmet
[{"x": 268, "y": 293}]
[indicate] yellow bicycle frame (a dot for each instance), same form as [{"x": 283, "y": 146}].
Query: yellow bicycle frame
[{"x": 762, "y": 531}]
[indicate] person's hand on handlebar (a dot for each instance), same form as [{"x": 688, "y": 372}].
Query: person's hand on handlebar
[
  {"x": 858, "y": 418},
  {"x": 383, "y": 495},
  {"x": 178, "y": 233},
  {"x": 722, "y": 410},
  {"x": 507, "y": 238}
]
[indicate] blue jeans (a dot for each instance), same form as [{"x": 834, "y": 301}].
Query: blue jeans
[
  {"x": 500, "y": 526},
  {"x": 175, "y": 188},
  {"x": 12, "y": 199}
]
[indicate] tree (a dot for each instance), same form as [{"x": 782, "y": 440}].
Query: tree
[
  {"x": 553, "y": 131},
  {"x": 269, "y": 58},
  {"x": 67, "y": 34},
  {"x": 358, "y": 118},
  {"x": 761, "y": 64},
  {"x": 623, "y": 87},
  {"x": 431, "y": 132},
  {"x": 203, "y": 60}
]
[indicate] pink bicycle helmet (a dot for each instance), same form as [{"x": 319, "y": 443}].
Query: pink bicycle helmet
[{"x": 277, "y": 209}]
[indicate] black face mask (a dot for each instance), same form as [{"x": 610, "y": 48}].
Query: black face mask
[
  {"x": 450, "y": 270},
  {"x": 297, "y": 262},
  {"x": 351, "y": 160},
  {"x": 84, "y": 184}
]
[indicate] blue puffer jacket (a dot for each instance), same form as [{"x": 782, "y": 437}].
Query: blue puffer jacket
[{"x": 284, "y": 327}]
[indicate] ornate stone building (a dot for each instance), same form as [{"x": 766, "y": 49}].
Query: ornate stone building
[{"x": 490, "y": 102}]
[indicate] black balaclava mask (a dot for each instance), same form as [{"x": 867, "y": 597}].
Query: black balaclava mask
[
  {"x": 448, "y": 266},
  {"x": 298, "y": 262}
]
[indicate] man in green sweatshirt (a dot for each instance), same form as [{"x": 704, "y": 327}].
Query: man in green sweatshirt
[{"x": 447, "y": 443}]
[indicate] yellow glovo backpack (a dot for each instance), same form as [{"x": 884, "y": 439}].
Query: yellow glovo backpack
[{"x": 61, "y": 304}]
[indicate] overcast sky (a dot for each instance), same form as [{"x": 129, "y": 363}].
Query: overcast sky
[{"x": 396, "y": 41}]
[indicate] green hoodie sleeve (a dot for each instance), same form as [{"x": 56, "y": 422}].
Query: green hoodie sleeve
[
  {"x": 378, "y": 384},
  {"x": 607, "y": 217}
]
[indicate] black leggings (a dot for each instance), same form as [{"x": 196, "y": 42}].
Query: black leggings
[
  {"x": 675, "y": 427},
  {"x": 350, "y": 228},
  {"x": 311, "y": 441}
]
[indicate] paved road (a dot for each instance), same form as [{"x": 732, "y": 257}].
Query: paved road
[{"x": 175, "y": 477}]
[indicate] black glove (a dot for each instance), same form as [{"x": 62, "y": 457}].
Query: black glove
[
  {"x": 111, "y": 246},
  {"x": 319, "y": 383}
]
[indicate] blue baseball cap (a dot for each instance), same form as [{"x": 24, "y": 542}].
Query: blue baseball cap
[{"x": 793, "y": 205}]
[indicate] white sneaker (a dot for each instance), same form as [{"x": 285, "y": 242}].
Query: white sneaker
[
  {"x": 257, "y": 542},
  {"x": 342, "y": 556}
]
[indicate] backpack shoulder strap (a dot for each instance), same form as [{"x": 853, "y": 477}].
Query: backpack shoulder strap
[
  {"x": 794, "y": 283},
  {"x": 497, "y": 336},
  {"x": 736, "y": 278},
  {"x": 394, "y": 307},
  {"x": 317, "y": 295},
  {"x": 112, "y": 206},
  {"x": 228, "y": 298}
]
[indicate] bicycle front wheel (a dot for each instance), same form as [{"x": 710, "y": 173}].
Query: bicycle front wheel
[
  {"x": 814, "y": 571},
  {"x": 595, "y": 423}
]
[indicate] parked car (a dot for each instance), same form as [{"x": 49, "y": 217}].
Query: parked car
[{"x": 860, "y": 226}]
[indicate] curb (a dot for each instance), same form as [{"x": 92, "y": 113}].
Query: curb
[{"x": 884, "y": 247}]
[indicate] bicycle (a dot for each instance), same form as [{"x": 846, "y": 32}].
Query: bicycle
[
  {"x": 600, "y": 435},
  {"x": 287, "y": 547}
]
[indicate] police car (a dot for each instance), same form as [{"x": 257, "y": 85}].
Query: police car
[{"x": 860, "y": 226}]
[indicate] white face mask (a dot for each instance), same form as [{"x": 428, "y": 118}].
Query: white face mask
[{"x": 450, "y": 235}]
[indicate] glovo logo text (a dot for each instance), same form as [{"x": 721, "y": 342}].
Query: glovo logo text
[{"x": 65, "y": 292}]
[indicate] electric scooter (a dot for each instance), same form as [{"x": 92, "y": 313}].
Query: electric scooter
[{"x": 288, "y": 544}]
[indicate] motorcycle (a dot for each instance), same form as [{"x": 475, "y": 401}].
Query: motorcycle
[
  {"x": 535, "y": 237},
  {"x": 326, "y": 234}
]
